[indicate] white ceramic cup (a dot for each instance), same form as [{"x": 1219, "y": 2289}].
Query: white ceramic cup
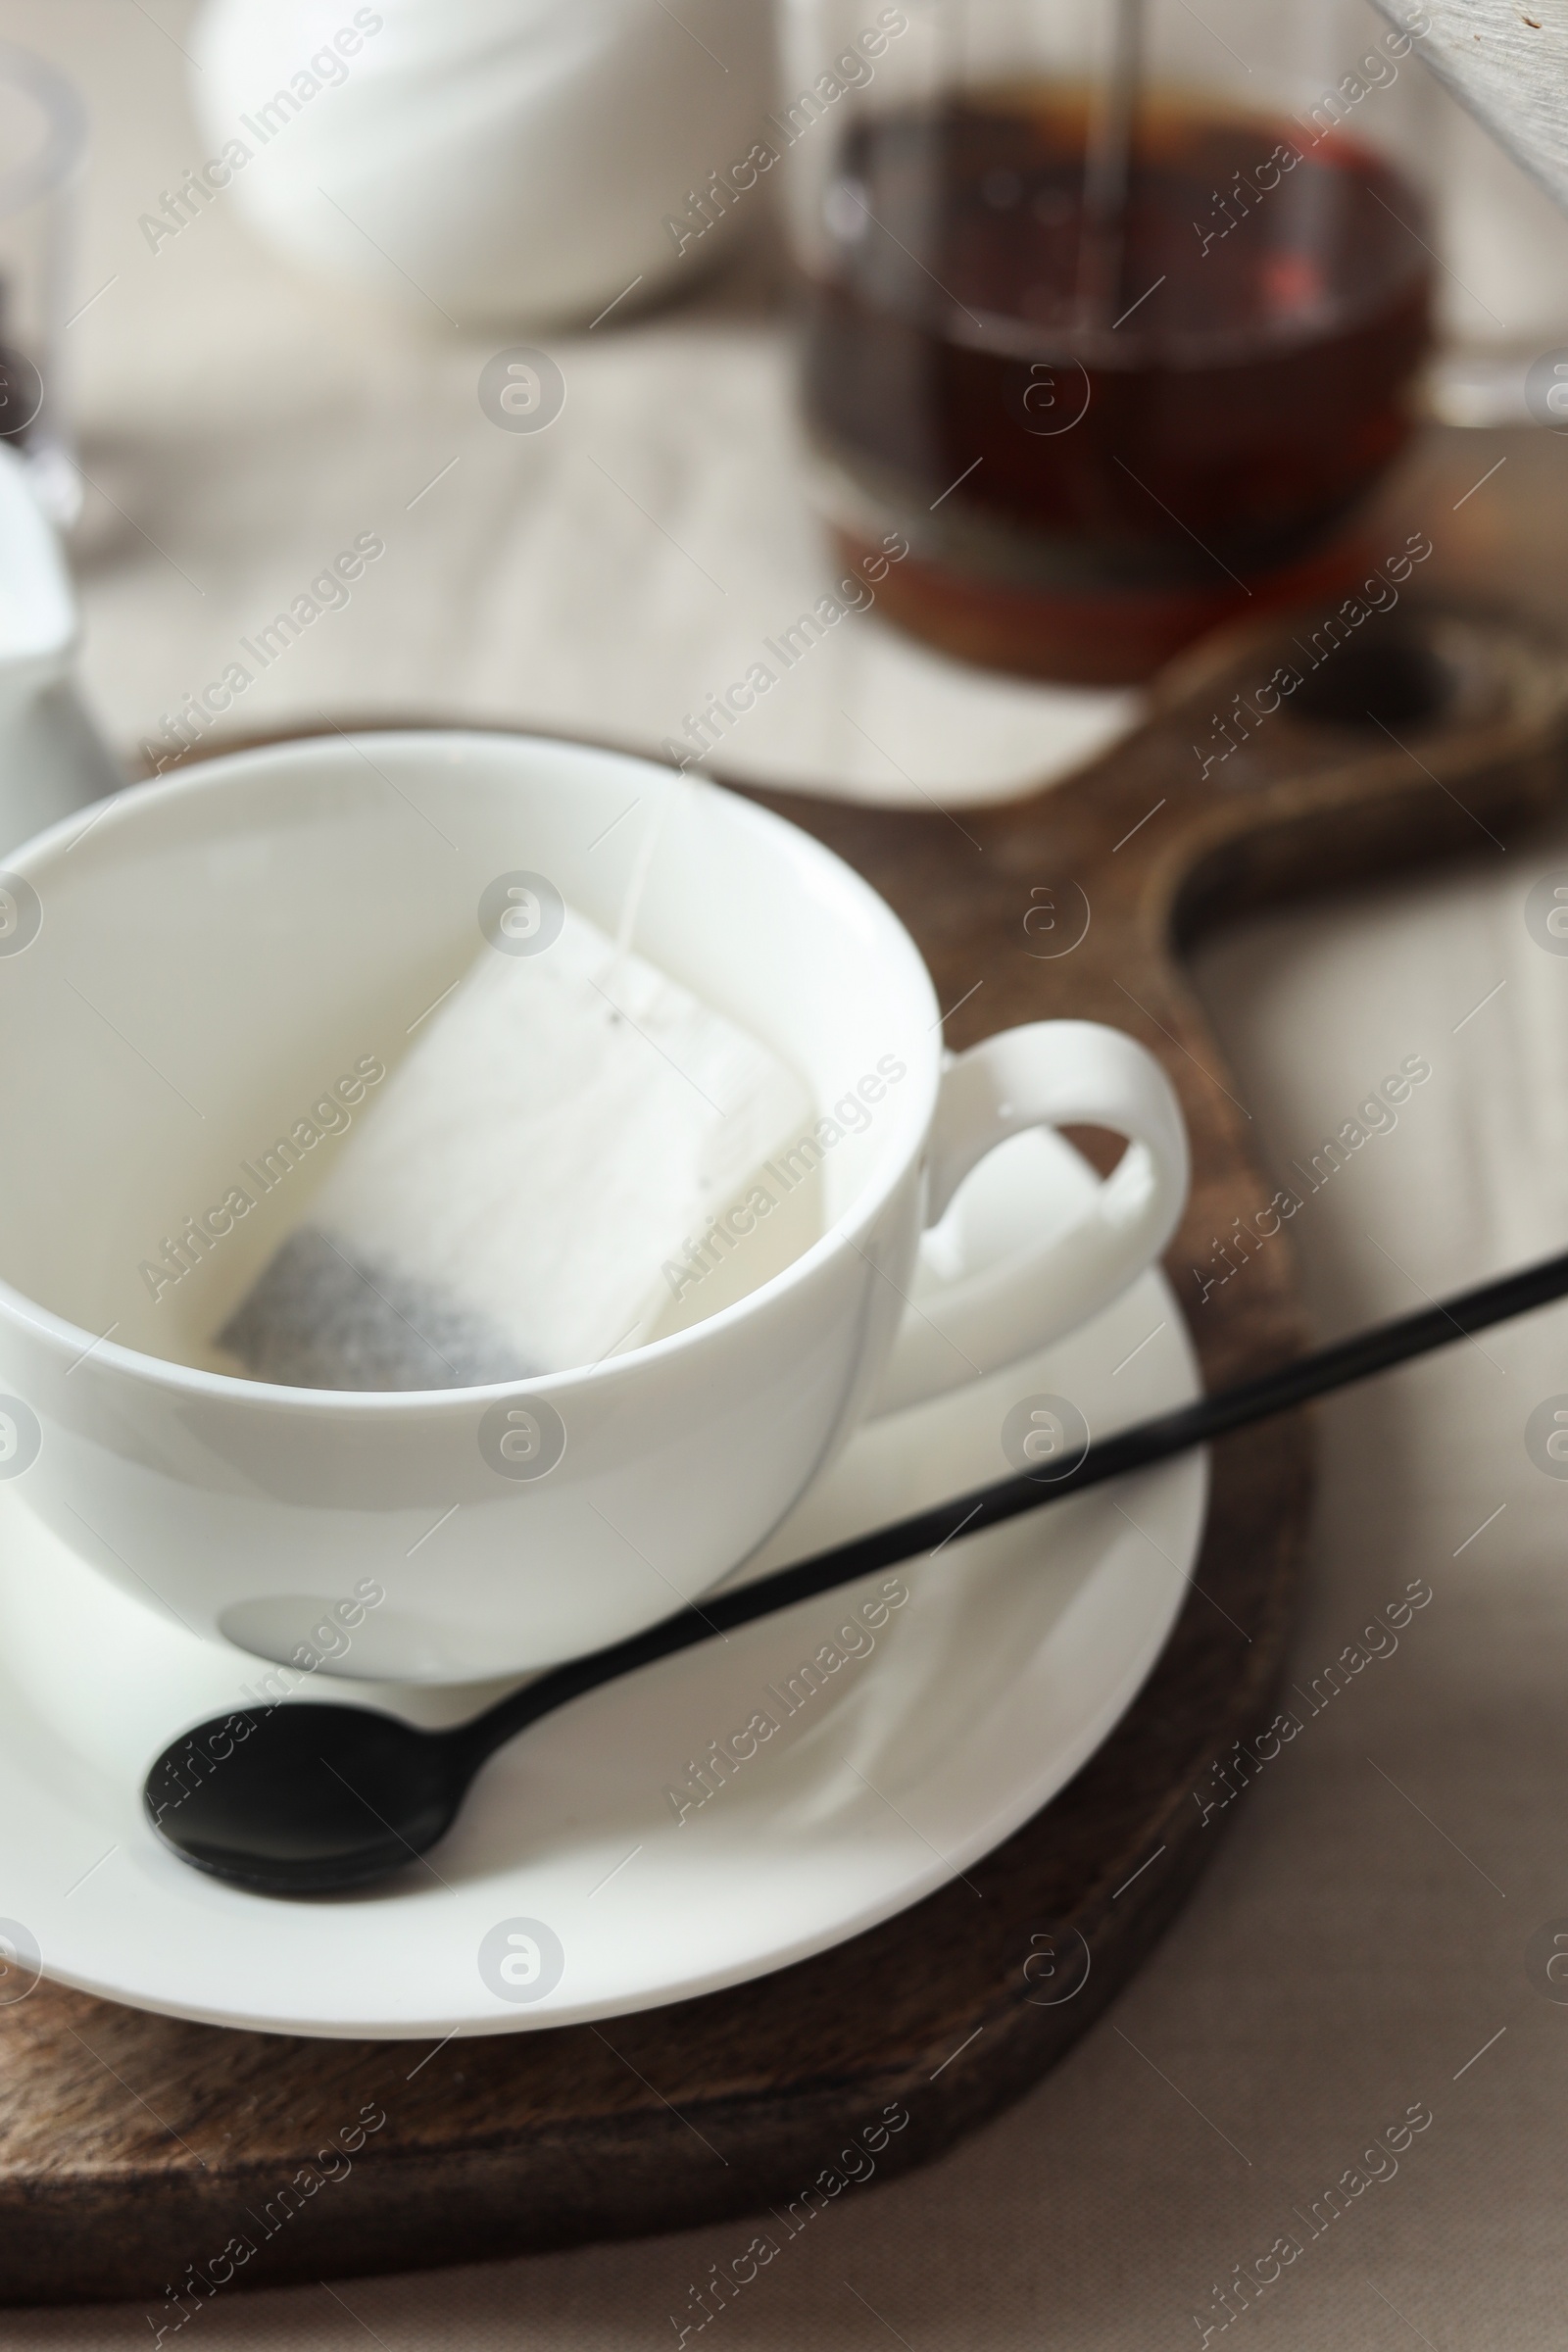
[{"x": 184, "y": 975}]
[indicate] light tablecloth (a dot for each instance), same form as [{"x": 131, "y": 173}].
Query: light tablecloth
[{"x": 1360, "y": 1944}]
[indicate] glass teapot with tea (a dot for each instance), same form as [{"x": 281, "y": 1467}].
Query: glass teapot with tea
[{"x": 1113, "y": 308}]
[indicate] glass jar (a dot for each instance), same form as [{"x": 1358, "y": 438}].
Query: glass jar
[
  {"x": 1112, "y": 308},
  {"x": 42, "y": 148}
]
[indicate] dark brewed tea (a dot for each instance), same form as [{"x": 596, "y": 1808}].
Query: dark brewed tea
[{"x": 1099, "y": 435}]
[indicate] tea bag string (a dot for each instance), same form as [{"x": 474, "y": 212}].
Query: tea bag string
[
  {"x": 609, "y": 979},
  {"x": 1107, "y": 171}
]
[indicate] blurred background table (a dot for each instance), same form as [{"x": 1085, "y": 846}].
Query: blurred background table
[{"x": 1360, "y": 1944}]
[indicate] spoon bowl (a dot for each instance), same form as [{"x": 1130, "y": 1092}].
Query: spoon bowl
[{"x": 309, "y": 1799}]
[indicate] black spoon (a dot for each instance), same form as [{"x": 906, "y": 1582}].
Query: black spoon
[{"x": 315, "y": 1799}]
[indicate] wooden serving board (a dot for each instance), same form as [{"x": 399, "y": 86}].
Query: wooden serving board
[{"x": 132, "y": 2147}]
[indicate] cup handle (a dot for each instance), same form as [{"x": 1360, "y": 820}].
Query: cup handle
[{"x": 1045, "y": 1074}]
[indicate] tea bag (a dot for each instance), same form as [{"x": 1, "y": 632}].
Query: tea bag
[{"x": 517, "y": 1197}]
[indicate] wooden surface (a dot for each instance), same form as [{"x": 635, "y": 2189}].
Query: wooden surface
[
  {"x": 1507, "y": 62},
  {"x": 133, "y": 2149}
]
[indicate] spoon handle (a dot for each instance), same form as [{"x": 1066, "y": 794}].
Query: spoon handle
[{"x": 1128, "y": 1450}]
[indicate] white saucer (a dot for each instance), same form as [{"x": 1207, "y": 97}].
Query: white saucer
[{"x": 1014, "y": 1655}]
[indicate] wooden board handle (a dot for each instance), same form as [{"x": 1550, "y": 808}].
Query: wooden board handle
[{"x": 1276, "y": 763}]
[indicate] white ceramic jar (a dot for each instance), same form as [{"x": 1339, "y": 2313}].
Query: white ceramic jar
[{"x": 506, "y": 160}]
